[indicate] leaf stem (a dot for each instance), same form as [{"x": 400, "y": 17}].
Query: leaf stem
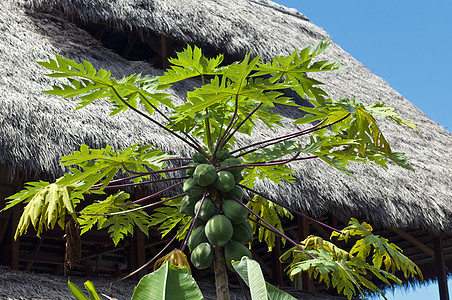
[
  {"x": 286, "y": 137},
  {"x": 191, "y": 143},
  {"x": 241, "y": 123},
  {"x": 273, "y": 229},
  {"x": 133, "y": 209},
  {"x": 192, "y": 225},
  {"x": 291, "y": 209},
  {"x": 138, "y": 183},
  {"x": 177, "y": 158},
  {"x": 154, "y": 258},
  {"x": 153, "y": 195},
  {"x": 140, "y": 174},
  {"x": 272, "y": 163},
  {"x": 220, "y": 143},
  {"x": 156, "y": 172}
]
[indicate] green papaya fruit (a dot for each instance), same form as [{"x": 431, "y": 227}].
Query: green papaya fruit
[
  {"x": 225, "y": 181},
  {"x": 199, "y": 158},
  {"x": 187, "y": 205},
  {"x": 243, "y": 232},
  {"x": 197, "y": 237},
  {"x": 236, "y": 192},
  {"x": 200, "y": 222},
  {"x": 238, "y": 178},
  {"x": 205, "y": 174},
  {"x": 218, "y": 230},
  {"x": 235, "y": 212},
  {"x": 231, "y": 162},
  {"x": 207, "y": 209},
  {"x": 189, "y": 172},
  {"x": 202, "y": 256},
  {"x": 192, "y": 189},
  {"x": 223, "y": 154},
  {"x": 235, "y": 251}
]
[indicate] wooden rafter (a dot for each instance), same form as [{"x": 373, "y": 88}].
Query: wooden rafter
[
  {"x": 415, "y": 241},
  {"x": 128, "y": 48}
]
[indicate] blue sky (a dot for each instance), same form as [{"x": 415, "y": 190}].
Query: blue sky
[{"x": 407, "y": 43}]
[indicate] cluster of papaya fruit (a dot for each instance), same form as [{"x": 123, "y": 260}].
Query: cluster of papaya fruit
[{"x": 221, "y": 220}]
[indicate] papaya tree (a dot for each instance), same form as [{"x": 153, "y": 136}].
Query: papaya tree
[{"x": 215, "y": 207}]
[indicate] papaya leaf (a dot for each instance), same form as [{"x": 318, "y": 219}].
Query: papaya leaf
[
  {"x": 119, "y": 225},
  {"x": 379, "y": 248},
  {"x": 46, "y": 205},
  {"x": 190, "y": 63},
  {"x": 346, "y": 274},
  {"x": 175, "y": 258},
  {"x": 101, "y": 165},
  {"x": 169, "y": 217},
  {"x": 271, "y": 213},
  {"x": 293, "y": 68},
  {"x": 91, "y": 84}
]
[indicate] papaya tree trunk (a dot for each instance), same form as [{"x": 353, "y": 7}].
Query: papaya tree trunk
[{"x": 221, "y": 276}]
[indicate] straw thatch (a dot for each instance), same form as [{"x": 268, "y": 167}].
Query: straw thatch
[
  {"x": 38, "y": 129},
  {"x": 18, "y": 285}
]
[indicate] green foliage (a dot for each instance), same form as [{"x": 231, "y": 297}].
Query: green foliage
[
  {"x": 384, "y": 252},
  {"x": 190, "y": 63},
  {"x": 168, "y": 217},
  {"x": 108, "y": 214},
  {"x": 168, "y": 282},
  {"x": 293, "y": 68},
  {"x": 78, "y": 293},
  {"x": 91, "y": 84},
  {"x": 251, "y": 273},
  {"x": 361, "y": 137},
  {"x": 270, "y": 212},
  {"x": 46, "y": 205},
  {"x": 349, "y": 272},
  {"x": 101, "y": 165}
]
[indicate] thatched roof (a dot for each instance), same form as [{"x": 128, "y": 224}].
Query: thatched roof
[
  {"x": 38, "y": 129},
  {"x": 20, "y": 285}
]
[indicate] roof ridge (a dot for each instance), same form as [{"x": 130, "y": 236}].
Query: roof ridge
[{"x": 284, "y": 10}]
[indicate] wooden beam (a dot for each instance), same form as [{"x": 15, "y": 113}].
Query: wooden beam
[
  {"x": 277, "y": 268},
  {"x": 139, "y": 250},
  {"x": 415, "y": 241},
  {"x": 166, "y": 51},
  {"x": 105, "y": 250},
  {"x": 99, "y": 33},
  {"x": 89, "y": 271},
  {"x": 154, "y": 46},
  {"x": 440, "y": 268},
  {"x": 14, "y": 259},
  {"x": 36, "y": 248},
  {"x": 321, "y": 231},
  {"x": 4, "y": 221},
  {"x": 129, "y": 47}
]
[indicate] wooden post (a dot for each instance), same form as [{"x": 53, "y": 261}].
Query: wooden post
[
  {"x": 440, "y": 267},
  {"x": 303, "y": 232},
  {"x": 166, "y": 51},
  {"x": 139, "y": 250},
  {"x": 14, "y": 258},
  {"x": 277, "y": 268}
]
